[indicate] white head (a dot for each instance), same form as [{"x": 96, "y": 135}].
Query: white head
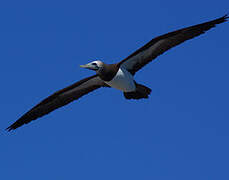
[{"x": 94, "y": 65}]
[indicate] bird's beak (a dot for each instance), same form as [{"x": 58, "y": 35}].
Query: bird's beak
[
  {"x": 85, "y": 66},
  {"x": 89, "y": 66}
]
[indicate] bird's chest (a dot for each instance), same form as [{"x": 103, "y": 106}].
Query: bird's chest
[{"x": 123, "y": 81}]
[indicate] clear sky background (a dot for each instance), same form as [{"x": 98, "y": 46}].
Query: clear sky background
[{"x": 180, "y": 132}]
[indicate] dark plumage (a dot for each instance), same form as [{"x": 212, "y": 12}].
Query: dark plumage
[
  {"x": 165, "y": 42},
  {"x": 141, "y": 92},
  {"x": 119, "y": 76},
  {"x": 59, "y": 99}
]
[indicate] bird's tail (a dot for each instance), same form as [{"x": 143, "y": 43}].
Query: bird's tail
[{"x": 141, "y": 92}]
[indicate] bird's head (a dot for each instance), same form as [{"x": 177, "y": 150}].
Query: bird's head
[{"x": 94, "y": 65}]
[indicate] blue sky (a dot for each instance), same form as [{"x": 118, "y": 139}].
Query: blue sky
[{"x": 181, "y": 132}]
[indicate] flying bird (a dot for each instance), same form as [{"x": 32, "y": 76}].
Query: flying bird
[{"x": 120, "y": 75}]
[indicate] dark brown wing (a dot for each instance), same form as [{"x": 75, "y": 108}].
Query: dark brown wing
[
  {"x": 59, "y": 99},
  {"x": 159, "y": 45}
]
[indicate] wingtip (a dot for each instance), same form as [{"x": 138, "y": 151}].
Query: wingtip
[
  {"x": 9, "y": 129},
  {"x": 221, "y": 19},
  {"x": 225, "y": 17}
]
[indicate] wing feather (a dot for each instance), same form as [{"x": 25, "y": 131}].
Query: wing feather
[
  {"x": 159, "y": 45},
  {"x": 59, "y": 99}
]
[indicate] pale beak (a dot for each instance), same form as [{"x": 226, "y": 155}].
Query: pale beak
[
  {"x": 85, "y": 66},
  {"x": 89, "y": 66}
]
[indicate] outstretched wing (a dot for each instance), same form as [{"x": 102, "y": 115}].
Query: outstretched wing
[
  {"x": 59, "y": 99},
  {"x": 159, "y": 45}
]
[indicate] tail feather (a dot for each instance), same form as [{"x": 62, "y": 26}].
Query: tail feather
[{"x": 141, "y": 92}]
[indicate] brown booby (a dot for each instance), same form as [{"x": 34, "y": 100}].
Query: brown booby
[{"x": 120, "y": 75}]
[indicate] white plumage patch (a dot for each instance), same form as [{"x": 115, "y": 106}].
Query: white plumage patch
[{"x": 123, "y": 81}]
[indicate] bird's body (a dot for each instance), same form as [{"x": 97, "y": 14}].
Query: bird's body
[
  {"x": 123, "y": 81},
  {"x": 120, "y": 75}
]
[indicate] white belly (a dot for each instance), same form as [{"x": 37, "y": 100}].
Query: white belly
[{"x": 123, "y": 81}]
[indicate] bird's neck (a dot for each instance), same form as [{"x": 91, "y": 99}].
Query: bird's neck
[{"x": 108, "y": 72}]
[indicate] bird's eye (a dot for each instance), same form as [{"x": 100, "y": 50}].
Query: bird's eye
[{"x": 94, "y": 64}]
